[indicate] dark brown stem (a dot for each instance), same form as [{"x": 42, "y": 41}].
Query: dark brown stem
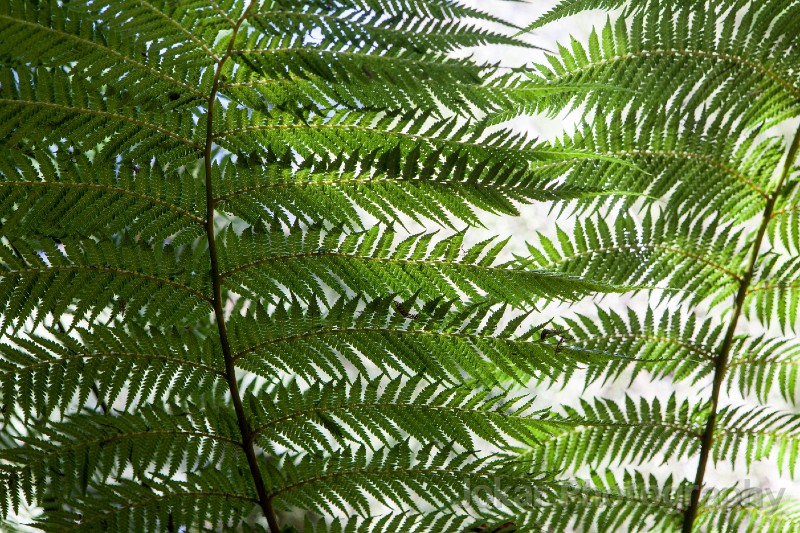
[
  {"x": 264, "y": 500},
  {"x": 721, "y": 361}
]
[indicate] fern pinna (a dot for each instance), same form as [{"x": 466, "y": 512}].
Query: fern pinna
[{"x": 213, "y": 313}]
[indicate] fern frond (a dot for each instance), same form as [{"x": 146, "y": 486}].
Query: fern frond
[
  {"x": 187, "y": 188},
  {"x": 394, "y": 184},
  {"x": 58, "y": 373},
  {"x": 566, "y": 8},
  {"x": 629, "y": 501},
  {"x": 422, "y": 522},
  {"x": 764, "y": 365},
  {"x": 257, "y": 264},
  {"x": 438, "y": 339},
  {"x": 758, "y": 434},
  {"x": 388, "y": 411},
  {"x": 37, "y": 276},
  {"x": 643, "y": 55},
  {"x": 751, "y": 509},
  {"x": 696, "y": 96},
  {"x": 219, "y": 498},
  {"x": 662, "y": 253},
  {"x": 210, "y": 316},
  {"x": 66, "y": 194},
  {"x": 666, "y": 344},
  {"x": 63, "y": 459},
  {"x": 604, "y": 432},
  {"x": 35, "y": 104},
  {"x": 677, "y": 158},
  {"x": 398, "y": 476},
  {"x": 775, "y": 292}
]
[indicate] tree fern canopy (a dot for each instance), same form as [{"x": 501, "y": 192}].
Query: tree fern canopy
[{"x": 240, "y": 284}]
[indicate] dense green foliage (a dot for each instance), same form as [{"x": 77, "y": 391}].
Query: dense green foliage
[
  {"x": 703, "y": 98},
  {"x": 218, "y": 314}
]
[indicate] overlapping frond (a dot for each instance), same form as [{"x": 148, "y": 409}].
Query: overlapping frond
[
  {"x": 379, "y": 261},
  {"x": 201, "y": 316},
  {"x": 700, "y": 99},
  {"x": 213, "y": 313},
  {"x": 422, "y": 522},
  {"x": 677, "y": 158},
  {"x": 666, "y": 344},
  {"x": 60, "y": 372},
  {"x": 37, "y": 105},
  {"x": 66, "y": 193},
  {"x": 86, "y": 448},
  {"x": 354, "y": 479},
  {"x": 40, "y": 275},
  {"x": 208, "y": 497}
]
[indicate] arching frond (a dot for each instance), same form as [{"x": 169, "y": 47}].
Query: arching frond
[
  {"x": 239, "y": 284},
  {"x": 208, "y": 308},
  {"x": 700, "y": 99}
]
